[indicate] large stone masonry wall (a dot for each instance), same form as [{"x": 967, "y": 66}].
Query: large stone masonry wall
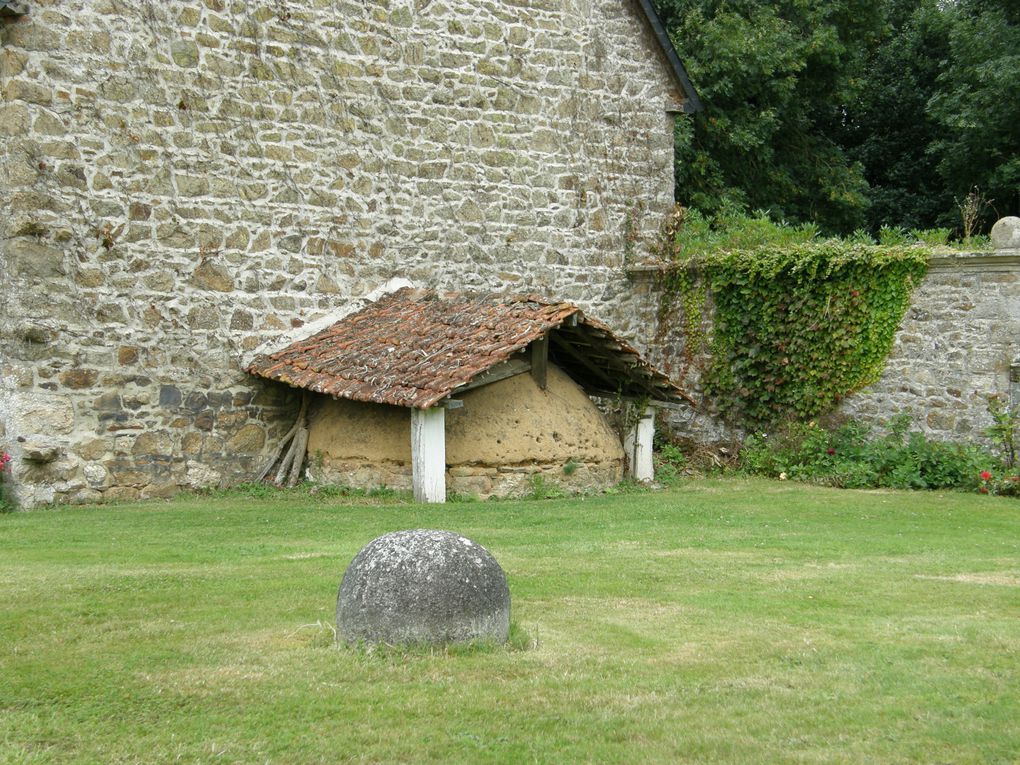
[
  {"x": 183, "y": 181},
  {"x": 958, "y": 344},
  {"x": 954, "y": 348}
]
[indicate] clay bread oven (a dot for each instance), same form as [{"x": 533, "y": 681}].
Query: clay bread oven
[{"x": 492, "y": 389}]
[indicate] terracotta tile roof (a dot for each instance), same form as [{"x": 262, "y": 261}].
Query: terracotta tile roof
[{"x": 414, "y": 348}]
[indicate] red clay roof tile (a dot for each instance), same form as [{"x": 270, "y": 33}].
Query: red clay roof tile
[{"x": 414, "y": 348}]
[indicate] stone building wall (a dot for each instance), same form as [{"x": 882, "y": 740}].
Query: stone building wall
[{"x": 182, "y": 181}]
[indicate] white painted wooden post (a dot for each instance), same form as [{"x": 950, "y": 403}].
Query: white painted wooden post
[
  {"x": 638, "y": 446},
  {"x": 428, "y": 454}
]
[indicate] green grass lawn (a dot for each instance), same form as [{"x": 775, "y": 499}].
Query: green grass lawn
[{"x": 721, "y": 621}]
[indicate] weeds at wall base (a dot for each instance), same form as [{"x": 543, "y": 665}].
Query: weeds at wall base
[{"x": 854, "y": 456}]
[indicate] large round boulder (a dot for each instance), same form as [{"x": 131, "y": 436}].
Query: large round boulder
[
  {"x": 1006, "y": 233},
  {"x": 423, "y": 586}
]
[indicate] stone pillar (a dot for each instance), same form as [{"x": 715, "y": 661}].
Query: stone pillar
[
  {"x": 638, "y": 446},
  {"x": 428, "y": 454}
]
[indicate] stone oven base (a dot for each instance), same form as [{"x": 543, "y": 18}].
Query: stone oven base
[{"x": 481, "y": 481}]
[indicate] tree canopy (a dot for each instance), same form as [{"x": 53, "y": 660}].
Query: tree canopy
[{"x": 850, "y": 113}]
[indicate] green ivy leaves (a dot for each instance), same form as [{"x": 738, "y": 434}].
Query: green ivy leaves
[{"x": 797, "y": 328}]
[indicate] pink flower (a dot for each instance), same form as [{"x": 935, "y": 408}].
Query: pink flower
[{"x": 986, "y": 476}]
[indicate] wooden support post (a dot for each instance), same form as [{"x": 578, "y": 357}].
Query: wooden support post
[
  {"x": 638, "y": 446},
  {"x": 540, "y": 360},
  {"x": 428, "y": 454}
]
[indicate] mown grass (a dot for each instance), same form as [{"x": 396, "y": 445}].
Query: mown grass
[{"x": 733, "y": 621}]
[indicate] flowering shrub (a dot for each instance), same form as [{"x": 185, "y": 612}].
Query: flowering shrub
[{"x": 1005, "y": 485}]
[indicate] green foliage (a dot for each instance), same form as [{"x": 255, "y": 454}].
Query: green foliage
[
  {"x": 542, "y": 489},
  {"x": 933, "y": 237},
  {"x": 773, "y": 77},
  {"x": 976, "y": 104},
  {"x": 893, "y": 236},
  {"x": 797, "y": 322},
  {"x": 1005, "y": 430},
  {"x": 695, "y": 233},
  {"x": 1001, "y": 483},
  {"x": 798, "y": 326},
  {"x": 851, "y": 456},
  {"x": 670, "y": 464},
  {"x": 850, "y": 113},
  {"x": 888, "y": 129}
]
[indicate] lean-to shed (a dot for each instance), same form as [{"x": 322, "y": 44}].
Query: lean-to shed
[{"x": 476, "y": 393}]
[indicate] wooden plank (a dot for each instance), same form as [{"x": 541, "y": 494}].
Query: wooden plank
[
  {"x": 625, "y": 367},
  {"x": 616, "y": 365},
  {"x": 428, "y": 454},
  {"x": 540, "y": 360},
  {"x": 501, "y": 371},
  {"x": 569, "y": 349}
]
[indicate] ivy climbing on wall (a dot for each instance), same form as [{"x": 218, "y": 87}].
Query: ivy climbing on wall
[{"x": 795, "y": 323}]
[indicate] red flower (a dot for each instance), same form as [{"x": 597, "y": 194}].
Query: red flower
[
  {"x": 830, "y": 451},
  {"x": 983, "y": 489},
  {"x": 986, "y": 476}
]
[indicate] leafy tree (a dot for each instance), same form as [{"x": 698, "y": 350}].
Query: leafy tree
[
  {"x": 774, "y": 77},
  {"x": 850, "y": 113},
  {"x": 889, "y": 130},
  {"x": 977, "y": 102}
]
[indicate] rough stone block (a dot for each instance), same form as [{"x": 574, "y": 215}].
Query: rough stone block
[
  {"x": 78, "y": 379},
  {"x": 184, "y": 53},
  {"x": 14, "y": 119},
  {"x": 33, "y": 259},
  {"x": 41, "y": 413},
  {"x": 213, "y": 276}
]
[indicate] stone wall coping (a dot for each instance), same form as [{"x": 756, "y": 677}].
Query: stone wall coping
[
  {"x": 645, "y": 271},
  {"x": 940, "y": 261},
  {"x": 984, "y": 260}
]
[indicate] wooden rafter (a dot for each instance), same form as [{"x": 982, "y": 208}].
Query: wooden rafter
[{"x": 572, "y": 352}]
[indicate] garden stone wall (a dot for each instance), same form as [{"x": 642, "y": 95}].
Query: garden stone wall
[
  {"x": 958, "y": 344},
  {"x": 183, "y": 181},
  {"x": 955, "y": 347}
]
